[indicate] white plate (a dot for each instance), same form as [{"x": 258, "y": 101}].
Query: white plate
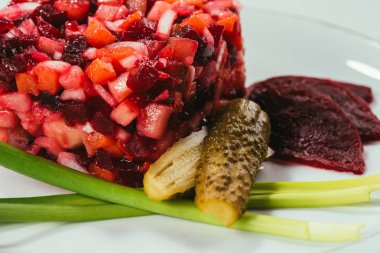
[{"x": 276, "y": 44}]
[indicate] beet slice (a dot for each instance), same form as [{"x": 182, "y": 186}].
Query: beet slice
[
  {"x": 355, "y": 108},
  {"x": 309, "y": 128},
  {"x": 360, "y": 90}
]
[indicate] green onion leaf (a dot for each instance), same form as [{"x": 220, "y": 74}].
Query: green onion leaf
[{"x": 55, "y": 174}]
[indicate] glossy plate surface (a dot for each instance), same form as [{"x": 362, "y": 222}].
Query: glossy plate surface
[{"x": 276, "y": 44}]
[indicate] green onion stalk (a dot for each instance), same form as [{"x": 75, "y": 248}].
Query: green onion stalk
[{"x": 134, "y": 202}]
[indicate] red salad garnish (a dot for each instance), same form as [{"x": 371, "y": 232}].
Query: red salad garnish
[
  {"x": 318, "y": 121},
  {"x": 107, "y": 86}
]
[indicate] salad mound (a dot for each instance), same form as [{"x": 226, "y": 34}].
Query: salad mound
[{"x": 107, "y": 86}]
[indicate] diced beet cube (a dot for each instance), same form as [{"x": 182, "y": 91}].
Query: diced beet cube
[
  {"x": 139, "y": 146},
  {"x": 102, "y": 124},
  {"x": 140, "y": 29},
  {"x": 125, "y": 113},
  {"x": 49, "y": 101},
  {"x": 76, "y": 44},
  {"x": 46, "y": 29},
  {"x": 142, "y": 78},
  {"x": 50, "y": 14},
  {"x": 217, "y": 32},
  {"x": 153, "y": 120},
  {"x": 103, "y": 159},
  {"x": 74, "y": 59},
  {"x": 5, "y": 25},
  {"x": 74, "y": 112},
  {"x": 132, "y": 172},
  {"x": 154, "y": 46}
]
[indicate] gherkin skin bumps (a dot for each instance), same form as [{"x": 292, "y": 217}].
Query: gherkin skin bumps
[{"x": 233, "y": 150}]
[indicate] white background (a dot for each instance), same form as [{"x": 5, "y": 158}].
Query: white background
[
  {"x": 160, "y": 234},
  {"x": 362, "y": 16}
]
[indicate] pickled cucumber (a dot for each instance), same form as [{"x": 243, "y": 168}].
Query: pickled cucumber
[
  {"x": 175, "y": 171},
  {"x": 233, "y": 151}
]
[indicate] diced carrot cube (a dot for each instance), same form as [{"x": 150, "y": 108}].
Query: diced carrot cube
[
  {"x": 117, "y": 53},
  {"x": 98, "y": 35},
  {"x": 102, "y": 173},
  {"x": 100, "y": 72},
  {"x": 197, "y": 23},
  {"x": 228, "y": 23},
  {"x": 130, "y": 19},
  {"x": 171, "y": 1},
  {"x": 114, "y": 150},
  {"x": 48, "y": 80},
  {"x": 97, "y": 140},
  {"x": 27, "y": 83},
  {"x": 4, "y": 135},
  {"x": 198, "y": 3}
]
